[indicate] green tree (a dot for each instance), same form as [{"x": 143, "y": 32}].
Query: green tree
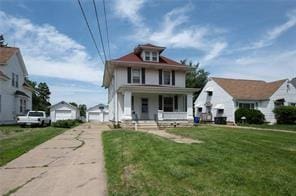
[
  {"x": 74, "y": 104},
  {"x": 196, "y": 77},
  {"x": 82, "y": 109},
  {"x": 40, "y": 96}
]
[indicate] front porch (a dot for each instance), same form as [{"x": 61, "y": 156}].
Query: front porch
[{"x": 158, "y": 103}]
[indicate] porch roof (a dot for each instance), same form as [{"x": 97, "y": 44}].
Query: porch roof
[{"x": 156, "y": 89}]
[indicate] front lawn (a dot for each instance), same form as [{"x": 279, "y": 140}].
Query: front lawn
[
  {"x": 275, "y": 126},
  {"x": 229, "y": 162},
  {"x": 15, "y": 141}
]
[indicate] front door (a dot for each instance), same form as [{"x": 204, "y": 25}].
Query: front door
[{"x": 144, "y": 109}]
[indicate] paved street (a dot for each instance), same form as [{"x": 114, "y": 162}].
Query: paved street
[{"x": 69, "y": 164}]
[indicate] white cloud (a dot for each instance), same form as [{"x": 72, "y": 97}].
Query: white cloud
[
  {"x": 48, "y": 52},
  {"x": 174, "y": 32},
  {"x": 264, "y": 65},
  {"x": 274, "y": 33},
  {"x": 129, "y": 9}
]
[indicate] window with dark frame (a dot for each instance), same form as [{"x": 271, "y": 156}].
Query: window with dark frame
[
  {"x": 12, "y": 79},
  {"x": 167, "y": 77},
  {"x": 246, "y": 105},
  {"x": 210, "y": 93},
  {"x": 154, "y": 56},
  {"x": 16, "y": 80},
  {"x": 136, "y": 78},
  {"x": 147, "y": 56},
  {"x": 21, "y": 105},
  {"x": 199, "y": 109}
]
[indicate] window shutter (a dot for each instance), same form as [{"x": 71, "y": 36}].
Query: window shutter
[
  {"x": 160, "y": 76},
  {"x": 143, "y": 75},
  {"x": 176, "y": 102},
  {"x": 129, "y": 75},
  {"x": 160, "y": 102},
  {"x": 173, "y": 78}
]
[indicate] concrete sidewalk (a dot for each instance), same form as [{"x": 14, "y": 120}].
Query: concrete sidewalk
[{"x": 69, "y": 164}]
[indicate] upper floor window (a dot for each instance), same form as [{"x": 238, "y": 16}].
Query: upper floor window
[
  {"x": 147, "y": 56},
  {"x": 167, "y": 77},
  {"x": 15, "y": 80},
  {"x": 246, "y": 105},
  {"x": 150, "y": 56},
  {"x": 136, "y": 75},
  {"x": 154, "y": 56}
]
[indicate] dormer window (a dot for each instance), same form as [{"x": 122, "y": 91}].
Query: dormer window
[
  {"x": 154, "y": 56},
  {"x": 147, "y": 56},
  {"x": 150, "y": 56}
]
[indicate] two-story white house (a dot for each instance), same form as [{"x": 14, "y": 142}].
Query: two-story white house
[
  {"x": 144, "y": 85},
  {"x": 15, "y": 93},
  {"x": 222, "y": 96}
]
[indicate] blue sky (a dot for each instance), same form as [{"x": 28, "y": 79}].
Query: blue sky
[{"x": 246, "y": 39}]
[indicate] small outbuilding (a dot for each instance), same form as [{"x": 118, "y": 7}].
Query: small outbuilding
[
  {"x": 63, "y": 111},
  {"x": 98, "y": 113}
]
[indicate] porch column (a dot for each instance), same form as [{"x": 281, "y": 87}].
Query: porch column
[
  {"x": 189, "y": 106},
  {"x": 127, "y": 105}
]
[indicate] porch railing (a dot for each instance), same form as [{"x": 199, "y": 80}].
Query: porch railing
[{"x": 171, "y": 115}]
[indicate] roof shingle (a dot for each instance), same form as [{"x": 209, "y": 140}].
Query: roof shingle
[
  {"x": 6, "y": 53},
  {"x": 248, "y": 89}
]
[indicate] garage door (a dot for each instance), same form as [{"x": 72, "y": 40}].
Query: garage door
[
  {"x": 95, "y": 116},
  {"x": 63, "y": 114}
]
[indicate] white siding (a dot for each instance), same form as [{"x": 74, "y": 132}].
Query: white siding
[
  {"x": 289, "y": 94},
  {"x": 220, "y": 96},
  {"x": 9, "y": 102},
  {"x": 63, "y": 107}
]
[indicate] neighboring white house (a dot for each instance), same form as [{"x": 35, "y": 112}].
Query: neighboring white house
[
  {"x": 15, "y": 92},
  {"x": 98, "y": 113},
  {"x": 144, "y": 85},
  {"x": 222, "y": 96},
  {"x": 63, "y": 111}
]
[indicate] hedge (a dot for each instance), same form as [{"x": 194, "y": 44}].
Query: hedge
[
  {"x": 66, "y": 123},
  {"x": 253, "y": 116},
  {"x": 285, "y": 114}
]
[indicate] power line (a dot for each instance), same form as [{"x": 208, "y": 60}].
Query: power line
[
  {"x": 99, "y": 27},
  {"x": 107, "y": 31},
  {"x": 89, "y": 29}
]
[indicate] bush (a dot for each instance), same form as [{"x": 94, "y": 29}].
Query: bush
[
  {"x": 285, "y": 114},
  {"x": 66, "y": 123},
  {"x": 253, "y": 116}
]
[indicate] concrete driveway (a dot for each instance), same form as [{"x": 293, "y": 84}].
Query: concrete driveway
[{"x": 69, "y": 164}]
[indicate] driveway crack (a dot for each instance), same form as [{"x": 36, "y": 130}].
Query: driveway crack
[{"x": 14, "y": 190}]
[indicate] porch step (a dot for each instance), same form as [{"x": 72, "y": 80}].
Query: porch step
[{"x": 147, "y": 125}]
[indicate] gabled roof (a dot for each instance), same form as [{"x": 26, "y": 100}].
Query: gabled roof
[
  {"x": 132, "y": 57},
  {"x": 249, "y": 89},
  {"x": 63, "y": 102},
  {"x": 6, "y": 53},
  {"x": 97, "y": 106}
]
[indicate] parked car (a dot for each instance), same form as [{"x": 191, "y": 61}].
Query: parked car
[{"x": 37, "y": 118}]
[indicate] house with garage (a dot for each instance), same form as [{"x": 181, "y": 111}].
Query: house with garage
[
  {"x": 63, "y": 111},
  {"x": 146, "y": 86},
  {"x": 15, "y": 92},
  {"x": 222, "y": 96},
  {"x": 98, "y": 113}
]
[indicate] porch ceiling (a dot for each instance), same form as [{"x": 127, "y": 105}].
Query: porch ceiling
[{"x": 156, "y": 89}]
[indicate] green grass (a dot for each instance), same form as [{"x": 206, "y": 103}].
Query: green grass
[
  {"x": 15, "y": 141},
  {"x": 229, "y": 162},
  {"x": 275, "y": 126}
]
